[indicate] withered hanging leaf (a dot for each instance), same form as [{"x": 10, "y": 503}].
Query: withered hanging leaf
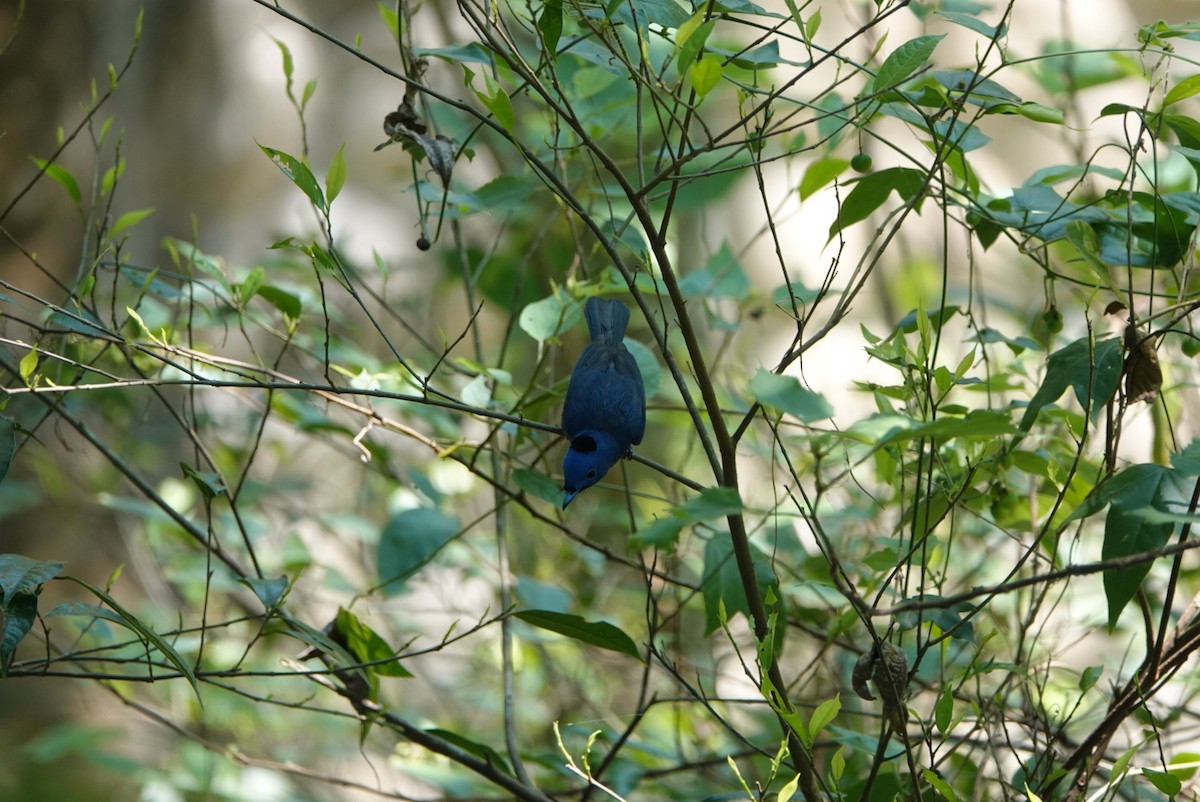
[
  {"x": 887, "y": 666},
  {"x": 406, "y": 126},
  {"x": 1143, "y": 375},
  {"x": 891, "y": 678},
  {"x": 862, "y": 672}
]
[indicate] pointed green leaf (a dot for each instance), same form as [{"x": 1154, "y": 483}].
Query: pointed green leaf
[
  {"x": 1183, "y": 90},
  {"x": 335, "y": 179},
  {"x": 128, "y": 220},
  {"x": 368, "y": 646},
  {"x": 550, "y": 24},
  {"x": 872, "y": 190},
  {"x": 826, "y": 712},
  {"x": 20, "y": 574},
  {"x": 1164, "y": 781},
  {"x": 20, "y": 613},
  {"x": 269, "y": 590},
  {"x": 593, "y": 633},
  {"x": 299, "y": 174},
  {"x": 64, "y": 178},
  {"x": 147, "y": 635},
  {"x": 820, "y": 173},
  {"x": 287, "y": 303},
  {"x": 1094, "y": 376},
  {"x": 905, "y": 60}
]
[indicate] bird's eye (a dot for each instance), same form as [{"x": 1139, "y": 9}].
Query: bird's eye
[{"x": 591, "y": 474}]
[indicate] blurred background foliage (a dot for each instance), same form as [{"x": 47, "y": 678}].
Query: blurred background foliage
[{"x": 288, "y": 301}]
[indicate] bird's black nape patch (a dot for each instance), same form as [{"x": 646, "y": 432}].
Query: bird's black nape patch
[{"x": 584, "y": 443}]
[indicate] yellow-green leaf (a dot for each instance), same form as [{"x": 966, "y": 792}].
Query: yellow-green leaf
[
  {"x": 28, "y": 365},
  {"x": 705, "y": 74},
  {"x": 128, "y": 220},
  {"x": 1182, "y": 90},
  {"x": 335, "y": 179}
]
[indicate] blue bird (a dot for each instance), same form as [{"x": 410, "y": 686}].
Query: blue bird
[{"x": 605, "y": 411}]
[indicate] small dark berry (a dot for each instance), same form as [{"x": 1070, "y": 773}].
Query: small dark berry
[{"x": 423, "y": 244}]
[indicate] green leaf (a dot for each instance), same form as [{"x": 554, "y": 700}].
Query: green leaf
[
  {"x": 27, "y": 367},
  {"x": 538, "y": 485},
  {"x": 690, "y": 38},
  {"x": 128, "y": 220},
  {"x": 1164, "y": 781},
  {"x": 872, "y": 190},
  {"x": 550, "y": 317},
  {"x": 1084, "y": 238},
  {"x": 722, "y": 584},
  {"x": 335, "y": 179},
  {"x": 410, "y": 540},
  {"x": 1089, "y": 677},
  {"x": 496, "y": 100},
  {"x": 484, "y": 751},
  {"x": 787, "y": 394},
  {"x": 472, "y": 52},
  {"x": 64, "y": 178},
  {"x": 593, "y": 633},
  {"x": 111, "y": 175},
  {"x": 940, "y": 785},
  {"x": 299, "y": 174},
  {"x": 1128, "y": 533},
  {"x": 715, "y": 502},
  {"x": 550, "y": 24},
  {"x": 789, "y": 789},
  {"x": 269, "y": 590},
  {"x": 974, "y": 23},
  {"x": 943, "y": 711},
  {"x": 147, "y": 635},
  {"x": 722, "y": 277},
  {"x": 820, "y": 173},
  {"x": 287, "y": 303},
  {"x": 705, "y": 74},
  {"x": 20, "y": 574},
  {"x": 660, "y": 534},
  {"x": 647, "y": 364},
  {"x": 826, "y": 712},
  {"x": 1181, "y": 91},
  {"x": 1093, "y": 376},
  {"x": 209, "y": 483},
  {"x": 368, "y": 646},
  {"x": 905, "y": 60},
  {"x": 20, "y": 613}
]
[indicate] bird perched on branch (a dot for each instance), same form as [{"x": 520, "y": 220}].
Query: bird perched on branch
[{"x": 605, "y": 411}]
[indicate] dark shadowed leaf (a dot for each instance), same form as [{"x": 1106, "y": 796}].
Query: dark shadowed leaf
[
  {"x": 593, "y": 633},
  {"x": 1093, "y": 375},
  {"x": 411, "y": 539}
]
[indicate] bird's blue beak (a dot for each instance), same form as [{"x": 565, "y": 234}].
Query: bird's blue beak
[{"x": 567, "y": 496}]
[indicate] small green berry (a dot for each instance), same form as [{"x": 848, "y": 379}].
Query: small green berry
[
  {"x": 1053, "y": 320},
  {"x": 861, "y": 162},
  {"x": 1191, "y": 346}
]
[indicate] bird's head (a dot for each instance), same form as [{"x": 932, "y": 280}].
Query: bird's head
[{"x": 588, "y": 458}]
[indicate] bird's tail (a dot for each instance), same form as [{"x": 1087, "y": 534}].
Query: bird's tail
[{"x": 606, "y": 320}]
